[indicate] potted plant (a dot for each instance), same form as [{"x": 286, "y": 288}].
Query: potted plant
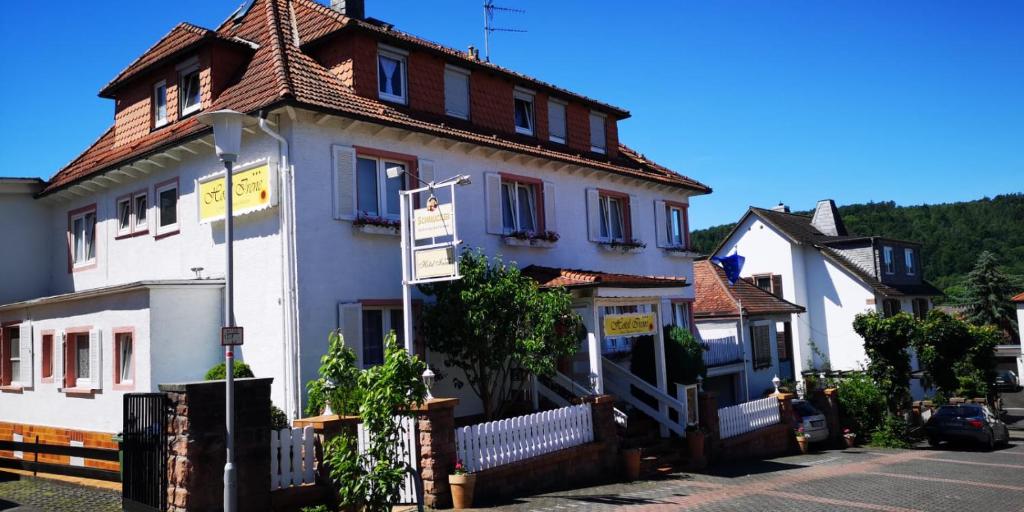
[
  {"x": 802, "y": 439},
  {"x": 849, "y": 437},
  {"x": 631, "y": 463},
  {"x": 462, "y": 483},
  {"x": 695, "y": 441}
]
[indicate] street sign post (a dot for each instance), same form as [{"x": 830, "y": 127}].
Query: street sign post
[{"x": 231, "y": 336}]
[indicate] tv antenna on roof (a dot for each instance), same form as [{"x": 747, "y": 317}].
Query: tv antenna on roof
[{"x": 489, "y": 10}]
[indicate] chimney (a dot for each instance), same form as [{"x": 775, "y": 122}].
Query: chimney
[
  {"x": 351, "y": 8},
  {"x": 827, "y": 220},
  {"x": 473, "y": 53},
  {"x": 780, "y": 208}
]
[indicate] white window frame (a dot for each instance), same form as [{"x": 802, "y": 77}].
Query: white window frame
[
  {"x": 403, "y": 68},
  {"x": 382, "y": 189},
  {"x": 86, "y": 381},
  {"x": 119, "y": 346},
  {"x": 908, "y": 260},
  {"x": 888, "y": 260},
  {"x": 158, "y": 228},
  {"x": 386, "y": 327},
  {"x": 182, "y": 74},
  {"x": 529, "y": 97},
  {"x": 604, "y": 134},
  {"x": 129, "y": 202},
  {"x": 87, "y": 243},
  {"x": 467, "y": 76},
  {"x": 157, "y": 88},
  {"x": 532, "y": 190},
  {"x": 552, "y": 103},
  {"x": 681, "y": 314},
  {"x": 12, "y": 345},
  {"x": 144, "y": 224},
  {"x": 673, "y": 242},
  {"x": 606, "y": 213}
]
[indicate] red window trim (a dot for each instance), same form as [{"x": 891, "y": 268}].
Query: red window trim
[
  {"x": 686, "y": 220},
  {"x": 116, "y": 371},
  {"x": 46, "y": 361},
  {"x": 70, "y": 381},
  {"x": 627, "y": 214},
  {"x": 5, "y": 357},
  {"x": 538, "y": 193},
  {"x": 412, "y": 161},
  {"x": 177, "y": 193},
  {"x": 71, "y": 239}
]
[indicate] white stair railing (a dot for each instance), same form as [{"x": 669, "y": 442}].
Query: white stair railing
[
  {"x": 619, "y": 381},
  {"x": 576, "y": 389}
]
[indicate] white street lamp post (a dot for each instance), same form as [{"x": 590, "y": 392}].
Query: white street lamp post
[{"x": 227, "y": 137}]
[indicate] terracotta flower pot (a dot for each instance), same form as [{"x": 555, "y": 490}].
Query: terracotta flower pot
[
  {"x": 631, "y": 463},
  {"x": 802, "y": 442},
  {"x": 462, "y": 490},
  {"x": 850, "y": 441},
  {"x": 695, "y": 444}
]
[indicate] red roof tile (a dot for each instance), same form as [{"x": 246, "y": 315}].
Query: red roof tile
[
  {"x": 1018, "y": 298},
  {"x": 549, "y": 277},
  {"x": 281, "y": 73},
  {"x": 714, "y": 297}
]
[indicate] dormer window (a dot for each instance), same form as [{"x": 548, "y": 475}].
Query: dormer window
[
  {"x": 556, "y": 121},
  {"x": 597, "y": 127},
  {"x": 391, "y": 80},
  {"x": 159, "y": 104},
  {"x": 888, "y": 260},
  {"x": 189, "y": 90},
  {"x": 523, "y": 111},
  {"x": 908, "y": 258}
]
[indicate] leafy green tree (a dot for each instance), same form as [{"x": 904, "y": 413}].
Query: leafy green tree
[
  {"x": 942, "y": 342},
  {"x": 684, "y": 357},
  {"x": 988, "y": 295},
  {"x": 886, "y": 340},
  {"x": 976, "y": 370},
  {"x": 495, "y": 319}
]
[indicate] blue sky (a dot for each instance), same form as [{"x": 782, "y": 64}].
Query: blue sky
[{"x": 766, "y": 101}]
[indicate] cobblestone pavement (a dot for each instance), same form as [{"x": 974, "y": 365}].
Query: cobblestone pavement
[
  {"x": 28, "y": 494},
  {"x": 859, "y": 479}
]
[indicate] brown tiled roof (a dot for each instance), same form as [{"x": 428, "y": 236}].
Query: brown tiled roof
[
  {"x": 1018, "y": 298},
  {"x": 549, "y": 277},
  {"x": 280, "y": 73},
  {"x": 714, "y": 297}
]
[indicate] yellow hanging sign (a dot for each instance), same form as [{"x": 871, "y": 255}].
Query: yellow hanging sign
[
  {"x": 630, "y": 324},
  {"x": 253, "y": 190}
]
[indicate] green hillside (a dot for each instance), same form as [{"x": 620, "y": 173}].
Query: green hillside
[{"x": 953, "y": 234}]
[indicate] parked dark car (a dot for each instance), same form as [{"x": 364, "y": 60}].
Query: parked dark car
[
  {"x": 1006, "y": 380},
  {"x": 967, "y": 422}
]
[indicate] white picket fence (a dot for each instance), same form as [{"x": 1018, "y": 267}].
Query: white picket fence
[
  {"x": 407, "y": 453},
  {"x": 496, "y": 443},
  {"x": 748, "y": 416},
  {"x": 291, "y": 457}
]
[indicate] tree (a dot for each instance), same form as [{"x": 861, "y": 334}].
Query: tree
[
  {"x": 988, "y": 295},
  {"x": 886, "y": 340},
  {"x": 493, "y": 320},
  {"x": 942, "y": 343},
  {"x": 684, "y": 357},
  {"x": 978, "y": 368}
]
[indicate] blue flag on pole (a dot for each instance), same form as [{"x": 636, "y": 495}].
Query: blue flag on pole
[{"x": 732, "y": 265}]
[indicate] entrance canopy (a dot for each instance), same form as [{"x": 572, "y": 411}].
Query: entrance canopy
[{"x": 606, "y": 284}]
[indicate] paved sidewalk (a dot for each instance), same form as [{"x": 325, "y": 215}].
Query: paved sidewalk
[{"x": 28, "y": 494}]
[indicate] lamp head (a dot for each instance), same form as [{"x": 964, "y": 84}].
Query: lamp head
[
  {"x": 227, "y": 132},
  {"x": 394, "y": 172}
]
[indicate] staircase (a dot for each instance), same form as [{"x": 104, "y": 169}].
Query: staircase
[{"x": 658, "y": 456}]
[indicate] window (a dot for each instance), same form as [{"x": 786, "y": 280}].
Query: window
[
  {"x": 556, "y": 121},
  {"x": 597, "y": 127},
  {"x": 167, "y": 208},
  {"x": 887, "y": 258},
  {"x": 159, "y": 104},
  {"x": 131, "y": 214},
  {"x": 681, "y": 314},
  {"x": 83, "y": 236},
  {"x": 124, "y": 364},
  {"x": 80, "y": 355},
  {"x": 189, "y": 90},
  {"x": 391, "y": 76},
  {"x": 377, "y": 323},
  {"x": 140, "y": 207},
  {"x": 124, "y": 216},
  {"x": 890, "y": 307},
  {"x": 12, "y": 355},
  {"x": 764, "y": 282},
  {"x": 376, "y": 194},
  {"x": 47, "y": 362},
  {"x": 523, "y": 102},
  {"x": 678, "y": 228},
  {"x": 920, "y": 308},
  {"x": 456, "y": 92},
  {"x": 614, "y": 215},
  {"x": 760, "y": 344},
  {"x": 908, "y": 258},
  {"x": 784, "y": 340},
  {"x": 520, "y": 206}
]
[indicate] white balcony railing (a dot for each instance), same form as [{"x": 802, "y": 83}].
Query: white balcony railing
[{"x": 720, "y": 351}]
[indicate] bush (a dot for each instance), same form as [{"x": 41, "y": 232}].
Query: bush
[
  {"x": 684, "y": 357},
  {"x": 892, "y": 433},
  {"x": 242, "y": 370},
  {"x": 278, "y": 419},
  {"x": 860, "y": 402}
]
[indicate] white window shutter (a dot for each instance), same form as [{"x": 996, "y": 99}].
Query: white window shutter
[
  {"x": 426, "y": 171},
  {"x": 58, "y": 358},
  {"x": 492, "y": 183},
  {"x": 456, "y": 93},
  {"x": 550, "y": 222},
  {"x": 597, "y": 131},
  {"x": 350, "y": 324},
  {"x": 95, "y": 359},
  {"x": 556, "y": 119},
  {"x": 661, "y": 223},
  {"x": 593, "y": 215},
  {"x": 634, "y": 216},
  {"x": 344, "y": 181},
  {"x": 27, "y": 361}
]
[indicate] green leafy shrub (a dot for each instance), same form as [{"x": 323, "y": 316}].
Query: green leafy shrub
[
  {"x": 217, "y": 372},
  {"x": 892, "y": 433},
  {"x": 860, "y": 402},
  {"x": 886, "y": 343},
  {"x": 338, "y": 382},
  {"x": 684, "y": 357},
  {"x": 318, "y": 508},
  {"x": 278, "y": 419}
]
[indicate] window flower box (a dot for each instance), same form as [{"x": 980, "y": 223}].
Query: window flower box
[
  {"x": 681, "y": 252},
  {"x": 625, "y": 247},
  {"x": 545, "y": 239},
  {"x": 378, "y": 226}
]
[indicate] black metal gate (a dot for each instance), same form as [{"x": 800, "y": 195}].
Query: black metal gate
[{"x": 144, "y": 470}]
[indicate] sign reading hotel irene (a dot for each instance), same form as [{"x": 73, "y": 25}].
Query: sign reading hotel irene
[
  {"x": 433, "y": 221},
  {"x": 254, "y": 189},
  {"x": 433, "y": 263},
  {"x": 630, "y": 324}
]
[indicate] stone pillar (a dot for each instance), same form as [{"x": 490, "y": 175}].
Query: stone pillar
[
  {"x": 602, "y": 412},
  {"x": 708, "y": 419},
  {"x": 831, "y": 403},
  {"x": 786, "y": 409},
  {"x": 436, "y": 423},
  {"x": 196, "y": 444}
]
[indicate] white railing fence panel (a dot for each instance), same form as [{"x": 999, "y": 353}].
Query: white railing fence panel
[
  {"x": 291, "y": 457},
  {"x": 497, "y": 443},
  {"x": 407, "y": 453},
  {"x": 748, "y": 416}
]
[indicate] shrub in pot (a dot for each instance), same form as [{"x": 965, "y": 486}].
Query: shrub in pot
[{"x": 462, "y": 484}]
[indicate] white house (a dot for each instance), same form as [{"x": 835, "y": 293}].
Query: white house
[
  {"x": 116, "y": 282},
  {"x": 813, "y": 261}
]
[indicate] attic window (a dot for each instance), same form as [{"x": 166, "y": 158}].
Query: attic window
[
  {"x": 190, "y": 90},
  {"x": 597, "y": 128},
  {"x": 524, "y": 112},
  {"x": 391, "y": 78},
  {"x": 159, "y": 104}
]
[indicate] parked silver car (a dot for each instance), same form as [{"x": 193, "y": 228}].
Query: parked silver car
[
  {"x": 811, "y": 419},
  {"x": 967, "y": 422}
]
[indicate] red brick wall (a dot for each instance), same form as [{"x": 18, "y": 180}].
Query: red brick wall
[
  {"x": 58, "y": 436},
  {"x": 225, "y": 65},
  {"x": 577, "y": 124},
  {"x": 491, "y": 102},
  {"x": 426, "y": 83}
]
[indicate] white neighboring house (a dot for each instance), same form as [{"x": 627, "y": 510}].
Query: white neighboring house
[
  {"x": 1018, "y": 300},
  {"x": 116, "y": 282},
  {"x": 813, "y": 261},
  {"x": 738, "y": 325}
]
